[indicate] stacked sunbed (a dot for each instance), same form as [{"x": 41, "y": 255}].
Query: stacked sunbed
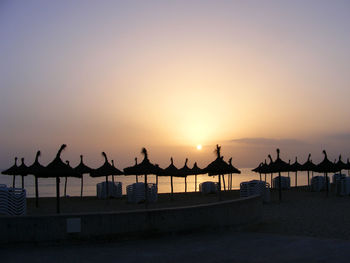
[
  {"x": 285, "y": 182},
  {"x": 208, "y": 187},
  {"x": 318, "y": 183},
  {"x": 12, "y": 201},
  {"x": 136, "y": 193},
  {"x": 114, "y": 190},
  {"x": 255, "y": 187}
]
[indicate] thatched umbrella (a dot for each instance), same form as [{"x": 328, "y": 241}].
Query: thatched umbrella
[
  {"x": 233, "y": 170},
  {"x": 347, "y": 166},
  {"x": 75, "y": 174},
  {"x": 269, "y": 167},
  {"x": 258, "y": 170},
  {"x": 115, "y": 171},
  {"x": 144, "y": 168},
  {"x": 56, "y": 169},
  {"x": 22, "y": 171},
  {"x": 308, "y": 166},
  {"x": 326, "y": 167},
  {"x": 196, "y": 171},
  {"x": 340, "y": 165},
  {"x": 82, "y": 169},
  {"x": 295, "y": 167},
  {"x": 279, "y": 166},
  {"x": 37, "y": 170},
  {"x": 103, "y": 171},
  {"x": 184, "y": 172},
  {"x": 171, "y": 171},
  {"x": 218, "y": 167},
  {"x": 13, "y": 170}
]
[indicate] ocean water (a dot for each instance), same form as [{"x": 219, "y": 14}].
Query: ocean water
[{"x": 47, "y": 186}]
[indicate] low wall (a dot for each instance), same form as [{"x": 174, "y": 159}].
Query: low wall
[{"x": 233, "y": 213}]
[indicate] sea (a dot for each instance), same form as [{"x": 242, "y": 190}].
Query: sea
[{"x": 47, "y": 186}]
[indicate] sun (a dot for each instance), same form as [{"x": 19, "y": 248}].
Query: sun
[{"x": 199, "y": 147}]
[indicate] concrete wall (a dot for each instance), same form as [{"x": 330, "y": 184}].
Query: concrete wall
[{"x": 234, "y": 213}]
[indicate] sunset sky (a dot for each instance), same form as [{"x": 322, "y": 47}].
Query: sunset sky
[{"x": 116, "y": 76}]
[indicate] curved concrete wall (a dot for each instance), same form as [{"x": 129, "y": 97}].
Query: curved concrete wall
[{"x": 234, "y": 213}]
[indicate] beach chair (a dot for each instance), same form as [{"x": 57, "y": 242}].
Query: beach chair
[
  {"x": 285, "y": 182},
  {"x": 208, "y": 188}
]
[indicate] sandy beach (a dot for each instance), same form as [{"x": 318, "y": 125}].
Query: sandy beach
[{"x": 301, "y": 212}]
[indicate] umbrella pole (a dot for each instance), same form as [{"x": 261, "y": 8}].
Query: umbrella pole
[
  {"x": 36, "y": 192},
  {"x": 308, "y": 178},
  {"x": 137, "y": 179},
  {"x": 296, "y": 179},
  {"x": 157, "y": 181},
  {"x": 172, "y": 187},
  {"x": 22, "y": 182},
  {"x": 185, "y": 184},
  {"x": 82, "y": 183},
  {"x": 260, "y": 176},
  {"x": 65, "y": 187},
  {"x": 195, "y": 183},
  {"x": 271, "y": 178},
  {"x": 106, "y": 186},
  {"x": 219, "y": 187},
  {"x": 326, "y": 184},
  {"x": 57, "y": 194},
  {"x": 279, "y": 186},
  {"x": 265, "y": 178},
  {"x": 146, "y": 189},
  {"x": 113, "y": 178},
  {"x": 223, "y": 180},
  {"x": 14, "y": 181}
]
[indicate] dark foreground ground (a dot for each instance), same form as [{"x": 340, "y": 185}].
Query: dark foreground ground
[
  {"x": 304, "y": 227},
  {"x": 200, "y": 247}
]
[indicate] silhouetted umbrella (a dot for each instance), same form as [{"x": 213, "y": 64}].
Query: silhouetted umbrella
[
  {"x": 347, "y": 167},
  {"x": 37, "y": 170},
  {"x": 233, "y": 170},
  {"x": 171, "y": 171},
  {"x": 144, "y": 168},
  {"x": 218, "y": 167},
  {"x": 22, "y": 171},
  {"x": 295, "y": 167},
  {"x": 13, "y": 170},
  {"x": 103, "y": 171},
  {"x": 340, "y": 165},
  {"x": 196, "y": 171},
  {"x": 75, "y": 174},
  {"x": 115, "y": 171},
  {"x": 279, "y": 166},
  {"x": 308, "y": 166},
  {"x": 184, "y": 172},
  {"x": 258, "y": 170},
  {"x": 326, "y": 167},
  {"x": 56, "y": 169},
  {"x": 82, "y": 169},
  {"x": 269, "y": 167}
]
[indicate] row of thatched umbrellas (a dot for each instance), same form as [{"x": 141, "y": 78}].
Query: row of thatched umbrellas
[
  {"x": 278, "y": 166},
  {"x": 57, "y": 168}
]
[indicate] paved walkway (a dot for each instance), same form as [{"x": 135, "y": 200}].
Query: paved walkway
[{"x": 197, "y": 247}]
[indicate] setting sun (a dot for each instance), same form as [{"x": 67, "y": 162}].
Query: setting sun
[{"x": 199, "y": 147}]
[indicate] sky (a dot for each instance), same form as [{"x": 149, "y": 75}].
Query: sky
[{"x": 116, "y": 76}]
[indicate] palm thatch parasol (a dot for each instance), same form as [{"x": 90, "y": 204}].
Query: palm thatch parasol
[
  {"x": 326, "y": 167},
  {"x": 22, "y": 171},
  {"x": 37, "y": 170},
  {"x": 269, "y": 167},
  {"x": 115, "y": 171},
  {"x": 258, "y": 170},
  {"x": 13, "y": 170},
  {"x": 279, "y": 166},
  {"x": 295, "y": 167},
  {"x": 196, "y": 171},
  {"x": 184, "y": 172},
  {"x": 233, "y": 170},
  {"x": 56, "y": 169},
  {"x": 308, "y": 166},
  {"x": 103, "y": 171},
  {"x": 340, "y": 165},
  {"x": 218, "y": 167},
  {"x": 75, "y": 174},
  {"x": 144, "y": 168},
  {"x": 171, "y": 171},
  {"x": 82, "y": 169}
]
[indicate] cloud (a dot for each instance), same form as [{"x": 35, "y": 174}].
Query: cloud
[{"x": 269, "y": 142}]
